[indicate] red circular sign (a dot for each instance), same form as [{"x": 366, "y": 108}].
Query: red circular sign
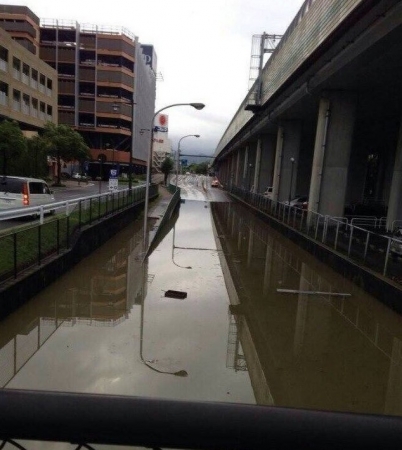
[{"x": 162, "y": 119}]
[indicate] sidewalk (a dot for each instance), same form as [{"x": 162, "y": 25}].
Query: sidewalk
[{"x": 158, "y": 207}]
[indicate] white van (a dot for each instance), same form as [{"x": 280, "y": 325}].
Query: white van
[{"x": 18, "y": 192}]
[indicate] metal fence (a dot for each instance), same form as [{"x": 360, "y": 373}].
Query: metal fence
[
  {"x": 367, "y": 247},
  {"x": 27, "y": 246}
]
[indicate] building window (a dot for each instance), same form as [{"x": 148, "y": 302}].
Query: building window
[
  {"x": 16, "y": 68},
  {"x": 25, "y": 103},
  {"x": 42, "y": 111},
  {"x": 34, "y": 79},
  {"x": 3, "y": 94},
  {"x": 25, "y": 73},
  {"x": 49, "y": 113},
  {"x": 49, "y": 87},
  {"x": 3, "y": 59},
  {"x": 16, "y": 100},
  {"x": 42, "y": 83},
  {"x": 34, "y": 111}
]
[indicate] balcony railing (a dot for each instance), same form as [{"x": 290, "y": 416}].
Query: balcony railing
[{"x": 3, "y": 99}]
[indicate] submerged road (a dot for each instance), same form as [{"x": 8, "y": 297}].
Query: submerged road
[{"x": 238, "y": 335}]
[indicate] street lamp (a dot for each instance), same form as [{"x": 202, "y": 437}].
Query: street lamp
[
  {"x": 197, "y": 106},
  {"x": 292, "y": 160},
  {"x": 178, "y": 153}
]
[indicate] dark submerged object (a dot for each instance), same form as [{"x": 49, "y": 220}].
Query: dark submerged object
[{"x": 175, "y": 294}]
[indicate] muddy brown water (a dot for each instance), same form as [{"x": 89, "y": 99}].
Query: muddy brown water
[{"x": 260, "y": 323}]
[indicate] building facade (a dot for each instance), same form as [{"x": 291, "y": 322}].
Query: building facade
[
  {"x": 28, "y": 86},
  {"x": 106, "y": 85}
]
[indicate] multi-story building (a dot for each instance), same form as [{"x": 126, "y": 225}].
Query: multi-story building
[
  {"x": 105, "y": 85},
  {"x": 28, "y": 86}
]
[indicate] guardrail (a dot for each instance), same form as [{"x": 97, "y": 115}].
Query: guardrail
[
  {"x": 29, "y": 245},
  {"x": 86, "y": 420},
  {"x": 368, "y": 248}
]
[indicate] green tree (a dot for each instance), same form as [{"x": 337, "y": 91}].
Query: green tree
[
  {"x": 12, "y": 146},
  {"x": 166, "y": 167},
  {"x": 35, "y": 163},
  {"x": 63, "y": 143},
  {"x": 202, "y": 168}
]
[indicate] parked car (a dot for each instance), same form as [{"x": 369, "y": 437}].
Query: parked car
[
  {"x": 215, "y": 183},
  {"x": 16, "y": 192},
  {"x": 300, "y": 201},
  {"x": 396, "y": 243},
  {"x": 78, "y": 176},
  {"x": 268, "y": 192}
]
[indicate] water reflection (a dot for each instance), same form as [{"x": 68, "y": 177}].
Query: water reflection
[
  {"x": 102, "y": 296},
  {"x": 107, "y": 328},
  {"x": 235, "y": 335},
  {"x": 309, "y": 351}
]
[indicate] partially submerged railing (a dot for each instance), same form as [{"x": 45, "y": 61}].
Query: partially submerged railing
[{"x": 368, "y": 248}]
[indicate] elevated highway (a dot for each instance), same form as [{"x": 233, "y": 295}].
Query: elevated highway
[{"x": 324, "y": 117}]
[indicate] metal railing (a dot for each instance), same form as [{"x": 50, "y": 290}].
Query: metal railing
[
  {"x": 30, "y": 245},
  {"x": 366, "y": 247},
  {"x": 84, "y": 420}
]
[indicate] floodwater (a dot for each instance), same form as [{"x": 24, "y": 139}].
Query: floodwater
[{"x": 262, "y": 322}]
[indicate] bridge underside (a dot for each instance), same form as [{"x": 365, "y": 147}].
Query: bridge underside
[{"x": 332, "y": 132}]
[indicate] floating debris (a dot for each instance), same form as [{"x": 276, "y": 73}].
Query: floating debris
[{"x": 175, "y": 294}]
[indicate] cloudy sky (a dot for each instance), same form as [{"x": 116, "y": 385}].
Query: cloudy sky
[{"x": 203, "y": 50}]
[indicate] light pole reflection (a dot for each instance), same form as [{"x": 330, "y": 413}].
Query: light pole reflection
[
  {"x": 177, "y": 373},
  {"x": 173, "y": 247}
]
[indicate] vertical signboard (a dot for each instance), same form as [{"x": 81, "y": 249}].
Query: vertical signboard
[{"x": 113, "y": 180}]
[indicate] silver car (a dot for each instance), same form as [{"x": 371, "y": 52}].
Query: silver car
[{"x": 396, "y": 243}]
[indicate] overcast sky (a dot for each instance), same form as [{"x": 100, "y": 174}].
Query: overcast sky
[{"x": 203, "y": 50}]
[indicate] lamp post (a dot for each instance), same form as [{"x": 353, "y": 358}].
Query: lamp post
[
  {"x": 292, "y": 160},
  {"x": 100, "y": 174},
  {"x": 198, "y": 106},
  {"x": 130, "y": 163},
  {"x": 178, "y": 153}
]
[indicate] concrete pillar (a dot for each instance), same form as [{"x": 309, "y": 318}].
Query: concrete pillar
[
  {"x": 395, "y": 196},
  {"x": 332, "y": 149},
  {"x": 252, "y": 151},
  {"x": 291, "y": 149},
  {"x": 237, "y": 168},
  {"x": 245, "y": 169},
  {"x": 278, "y": 164},
  {"x": 268, "y": 143},
  {"x": 256, "y": 181}
]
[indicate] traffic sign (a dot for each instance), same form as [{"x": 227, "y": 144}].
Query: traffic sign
[{"x": 113, "y": 184}]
